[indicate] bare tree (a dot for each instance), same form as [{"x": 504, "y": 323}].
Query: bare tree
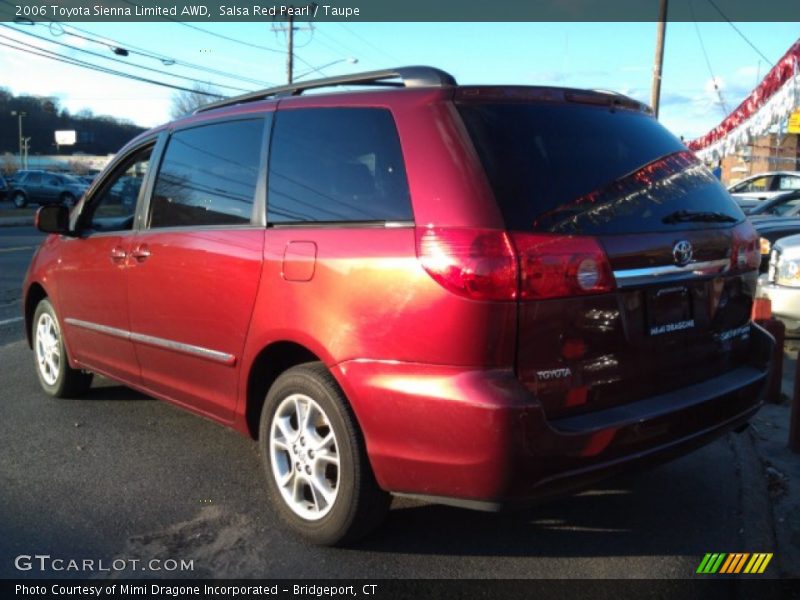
[
  {"x": 185, "y": 103},
  {"x": 79, "y": 167},
  {"x": 9, "y": 164}
]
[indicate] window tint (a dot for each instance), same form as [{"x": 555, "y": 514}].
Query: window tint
[
  {"x": 209, "y": 175},
  {"x": 114, "y": 207},
  {"x": 336, "y": 165},
  {"x": 33, "y": 178},
  {"x": 575, "y": 168}
]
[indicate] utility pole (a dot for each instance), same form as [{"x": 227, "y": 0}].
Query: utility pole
[
  {"x": 655, "y": 94},
  {"x": 290, "y": 29},
  {"x": 25, "y": 146},
  {"x": 19, "y": 114},
  {"x": 290, "y": 57}
]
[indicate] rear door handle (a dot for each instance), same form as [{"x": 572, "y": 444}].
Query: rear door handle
[
  {"x": 141, "y": 253},
  {"x": 118, "y": 253}
]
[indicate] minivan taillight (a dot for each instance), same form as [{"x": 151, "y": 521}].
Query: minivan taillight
[
  {"x": 488, "y": 264},
  {"x": 746, "y": 250},
  {"x": 554, "y": 266},
  {"x": 476, "y": 263}
]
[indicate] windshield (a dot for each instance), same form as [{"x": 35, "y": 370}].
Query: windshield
[{"x": 572, "y": 168}]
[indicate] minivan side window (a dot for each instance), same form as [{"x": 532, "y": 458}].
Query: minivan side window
[
  {"x": 789, "y": 182},
  {"x": 113, "y": 208},
  {"x": 209, "y": 175},
  {"x": 336, "y": 165},
  {"x": 753, "y": 185}
]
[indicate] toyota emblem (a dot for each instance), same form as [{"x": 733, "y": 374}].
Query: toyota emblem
[{"x": 682, "y": 253}]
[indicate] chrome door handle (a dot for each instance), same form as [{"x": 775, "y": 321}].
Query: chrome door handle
[
  {"x": 141, "y": 253},
  {"x": 118, "y": 253}
]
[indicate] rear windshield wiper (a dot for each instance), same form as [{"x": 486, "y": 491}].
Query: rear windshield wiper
[{"x": 696, "y": 216}]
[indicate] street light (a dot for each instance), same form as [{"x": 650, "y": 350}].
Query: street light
[
  {"x": 26, "y": 146},
  {"x": 350, "y": 60},
  {"x": 19, "y": 114}
]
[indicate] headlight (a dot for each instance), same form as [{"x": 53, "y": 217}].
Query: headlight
[
  {"x": 765, "y": 246},
  {"x": 787, "y": 272}
]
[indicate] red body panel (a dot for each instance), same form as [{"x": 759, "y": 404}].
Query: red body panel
[
  {"x": 92, "y": 287},
  {"x": 195, "y": 288},
  {"x": 443, "y": 386}
]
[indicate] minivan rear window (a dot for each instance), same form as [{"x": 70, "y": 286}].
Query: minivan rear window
[{"x": 581, "y": 169}]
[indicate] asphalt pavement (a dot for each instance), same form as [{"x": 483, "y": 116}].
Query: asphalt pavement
[
  {"x": 117, "y": 474},
  {"x": 17, "y": 245},
  {"x": 120, "y": 475}
]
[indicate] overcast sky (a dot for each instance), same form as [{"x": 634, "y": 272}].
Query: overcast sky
[{"x": 610, "y": 56}]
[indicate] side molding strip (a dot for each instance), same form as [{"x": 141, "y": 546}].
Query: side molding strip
[{"x": 215, "y": 355}]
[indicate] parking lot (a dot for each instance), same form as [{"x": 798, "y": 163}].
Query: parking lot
[{"x": 117, "y": 475}]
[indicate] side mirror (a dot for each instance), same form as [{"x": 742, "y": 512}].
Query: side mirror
[{"x": 53, "y": 218}]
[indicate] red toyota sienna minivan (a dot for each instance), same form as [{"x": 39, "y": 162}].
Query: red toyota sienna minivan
[{"x": 476, "y": 295}]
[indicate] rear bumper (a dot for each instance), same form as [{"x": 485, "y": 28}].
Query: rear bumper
[{"x": 479, "y": 438}]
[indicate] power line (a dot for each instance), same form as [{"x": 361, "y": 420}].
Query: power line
[
  {"x": 166, "y": 60},
  {"x": 36, "y": 51},
  {"x": 743, "y": 36},
  {"x": 290, "y": 53},
  {"x": 111, "y": 58},
  {"x": 722, "y": 104},
  {"x": 368, "y": 43},
  {"x": 225, "y": 37},
  {"x": 342, "y": 46}
]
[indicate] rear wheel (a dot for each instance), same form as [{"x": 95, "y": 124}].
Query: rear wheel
[
  {"x": 67, "y": 199},
  {"x": 318, "y": 474},
  {"x": 56, "y": 377},
  {"x": 19, "y": 199}
]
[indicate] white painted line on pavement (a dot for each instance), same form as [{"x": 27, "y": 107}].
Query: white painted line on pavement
[
  {"x": 17, "y": 249},
  {"x": 7, "y": 321}
]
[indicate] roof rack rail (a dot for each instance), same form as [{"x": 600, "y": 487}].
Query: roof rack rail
[{"x": 417, "y": 76}]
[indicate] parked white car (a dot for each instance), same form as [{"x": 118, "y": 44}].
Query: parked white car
[
  {"x": 764, "y": 186},
  {"x": 781, "y": 282}
]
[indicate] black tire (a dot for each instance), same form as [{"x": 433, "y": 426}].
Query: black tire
[
  {"x": 67, "y": 199},
  {"x": 19, "y": 199},
  {"x": 69, "y": 382},
  {"x": 359, "y": 505}
]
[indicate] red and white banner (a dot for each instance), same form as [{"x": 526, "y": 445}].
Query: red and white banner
[{"x": 770, "y": 103}]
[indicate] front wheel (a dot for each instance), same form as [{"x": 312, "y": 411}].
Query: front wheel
[
  {"x": 67, "y": 199},
  {"x": 56, "y": 377},
  {"x": 318, "y": 474},
  {"x": 20, "y": 200}
]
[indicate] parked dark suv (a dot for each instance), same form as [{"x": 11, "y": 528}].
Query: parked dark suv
[
  {"x": 45, "y": 187},
  {"x": 477, "y": 295}
]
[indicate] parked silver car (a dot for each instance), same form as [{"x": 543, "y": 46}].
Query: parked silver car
[
  {"x": 781, "y": 282},
  {"x": 45, "y": 187},
  {"x": 764, "y": 186}
]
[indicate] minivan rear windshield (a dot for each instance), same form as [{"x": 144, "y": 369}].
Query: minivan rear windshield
[{"x": 582, "y": 169}]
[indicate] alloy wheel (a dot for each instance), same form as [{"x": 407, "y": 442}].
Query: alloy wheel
[
  {"x": 48, "y": 349},
  {"x": 304, "y": 456}
]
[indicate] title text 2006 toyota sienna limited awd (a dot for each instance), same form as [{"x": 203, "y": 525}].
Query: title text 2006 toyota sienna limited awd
[{"x": 480, "y": 295}]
